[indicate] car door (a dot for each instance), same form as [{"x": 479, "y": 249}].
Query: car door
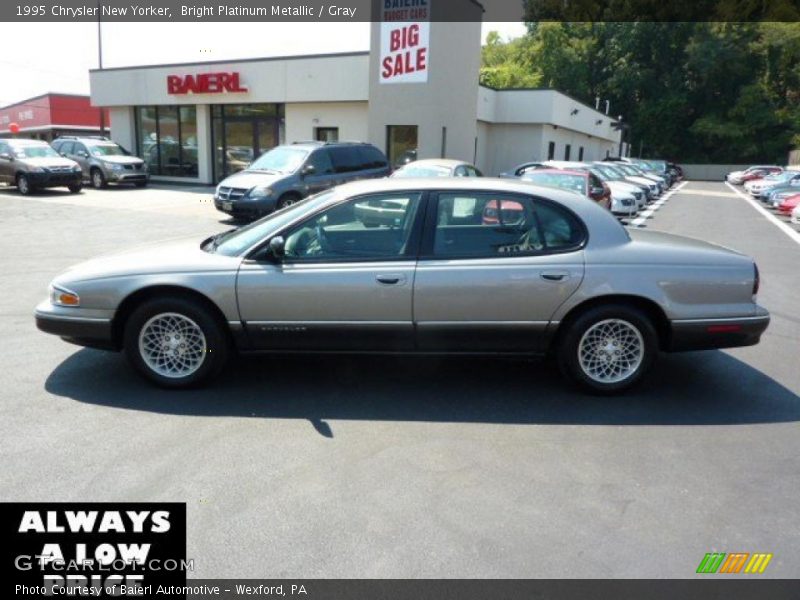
[
  {"x": 6, "y": 163},
  {"x": 80, "y": 154},
  {"x": 340, "y": 284},
  {"x": 493, "y": 269},
  {"x": 323, "y": 176}
]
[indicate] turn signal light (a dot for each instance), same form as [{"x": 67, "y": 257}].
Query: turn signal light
[{"x": 62, "y": 297}]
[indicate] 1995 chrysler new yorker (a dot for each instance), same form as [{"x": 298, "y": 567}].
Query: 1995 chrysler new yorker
[{"x": 416, "y": 266}]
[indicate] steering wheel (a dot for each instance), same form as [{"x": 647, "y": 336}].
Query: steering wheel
[{"x": 322, "y": 239}]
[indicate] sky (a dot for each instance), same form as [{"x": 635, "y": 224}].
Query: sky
[{"x": 62, "y": 62}]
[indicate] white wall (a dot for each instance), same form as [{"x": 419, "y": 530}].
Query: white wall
[
  {"x": 122, "y": 127},
  {"x": 350, "y": 117},
  {"x": 293, "y": 79},
  {"x": 509, "y": 145}
]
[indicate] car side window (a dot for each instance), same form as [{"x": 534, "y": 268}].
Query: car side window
[
  {"x": 66, "y": 148},
  {"x": 490, "y": 224},
  {"x": 321, "y": 161},
  {"x": 78, "y": 147},
  {"x": 473, "y": 172},
  {"x": 372, "y": 158},
  {"x": 460, "y": 171},
  {"x": 345, "y": 159},
  {"x": 370, "y": 227}
]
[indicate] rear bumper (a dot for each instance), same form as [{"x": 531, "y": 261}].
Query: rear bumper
[
  {"x": 84, "y": 331},
  {"x": 707, "y": 334}
]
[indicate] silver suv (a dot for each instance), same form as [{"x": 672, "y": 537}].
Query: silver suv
[
  {"x": 103, "y": 161},
  {"x": 33, "y": 164}
]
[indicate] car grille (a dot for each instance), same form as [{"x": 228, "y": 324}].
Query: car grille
[
  {"x": 626, "y": 202},
  {"x": 60, "y": 169},
  {"x": 638, "y": 195},
  {"x": 133, "y": 167},
  {"x": 231, "y": 193}
]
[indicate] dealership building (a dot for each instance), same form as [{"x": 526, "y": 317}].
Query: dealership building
[
  {"x": 50, "y": 115},
  {"x": 416, "y": 90}
]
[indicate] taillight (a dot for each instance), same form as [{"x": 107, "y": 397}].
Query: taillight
[{"x": 756, "y": 279}]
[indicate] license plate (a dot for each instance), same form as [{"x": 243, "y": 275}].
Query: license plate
[{"x": 227, "y": 206}]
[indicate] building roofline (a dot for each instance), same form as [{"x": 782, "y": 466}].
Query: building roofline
[
  {"x": 549, "y": 89},
  {"x": 44, "y": 95},
  {"x": 234, "y": 60}
]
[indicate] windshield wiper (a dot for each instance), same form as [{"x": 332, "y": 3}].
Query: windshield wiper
[{"x": 212, "y": 243}]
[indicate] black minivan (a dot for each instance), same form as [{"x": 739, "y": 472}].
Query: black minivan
[{"x": 289, "y": 173}]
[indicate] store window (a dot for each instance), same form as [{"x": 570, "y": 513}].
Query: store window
[
  {"x": 580, "y": 154},
  {"x": 551, "y": 151},
  {"x": 166, "y": 139},
  {"x": 243, "y": 132},
  {"x": 401, "y": 144},
  {"x": 326, "y": 134},
  {"x": 567, "y": 151}
]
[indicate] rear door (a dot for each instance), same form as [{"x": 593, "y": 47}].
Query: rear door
[{"x": 494, "y": 268}]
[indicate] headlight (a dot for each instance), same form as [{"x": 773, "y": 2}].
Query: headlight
[
  {"x": 76, "y": 168},
  {"x": 37, "y": 170},
  {"x": 114, "y": 166},
  {"x": 63, "y": 297},
  {"x": 260, "y": 192}
]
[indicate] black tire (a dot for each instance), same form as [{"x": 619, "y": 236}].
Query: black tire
[
  {"x": 287, "y": 200},
  {"x": 98, "y": 179},
  {"x": 75, "y": 189},
  {"x": 626, "y": 319},
  {"x": 217, "y": 343},
  {"x": 24, "y": 185}
]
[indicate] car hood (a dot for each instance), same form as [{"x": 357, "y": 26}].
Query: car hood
[
  {"x": 120, "y": 160},
  {"x": 248, "y": 179},
  {"x": 643, "y": 180},
  {"x": 49, "y": 162},
  {"x": 176, "y": 256},
  {"x": 663, "y": 247},
  {"x": 623, "y": 187}
]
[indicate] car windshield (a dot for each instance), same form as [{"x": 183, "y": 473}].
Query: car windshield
[
  {"x": 412, "y": 170},
  {"x": 236, "y": 241},
  {"x": 611, "y": 172},
  {"x": 43, "y": 151},
  {"x": 106, "y": 150},
  {"x": 568, "y": 181},
  {"x": 282, "y": 159}
]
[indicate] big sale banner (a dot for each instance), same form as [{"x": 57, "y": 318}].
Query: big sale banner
[{"x": 405, "y": 41}]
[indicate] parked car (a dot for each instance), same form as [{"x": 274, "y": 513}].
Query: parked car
[
  {"x": 582, "y": 182},
  {"x": 789, "y": 204},
  {"x": 103, "y": 161},
  {"x": 778, "y": 195},
  {"x": 633, "y": 173},
  {"x": 737, "y": 177},
  {"x": 759, "y": 188},
  {"x": 437, "y": 167},
  {"x": 649, "y": 189},
  {"x": 622, "y": 190},
  {"x": 32, "y": 164},
  {"x": 287, "y": 174},
  {"x": 564, "y": 278},
  {"x": 758, "y": 174},
  {"x": 522, "y": 168},
  {"x": 795, "y": 217}
]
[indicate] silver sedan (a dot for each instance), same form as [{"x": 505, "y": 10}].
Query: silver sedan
[{"x": 465, "y": 266}]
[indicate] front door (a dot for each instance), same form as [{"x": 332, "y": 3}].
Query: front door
[
  {"x": 344, "y": 283},
  {"x": 6, "y": 163},
  {"x": 493, "y": 270}
]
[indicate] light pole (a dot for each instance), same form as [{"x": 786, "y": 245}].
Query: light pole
[{"x": 100, "y": 64}]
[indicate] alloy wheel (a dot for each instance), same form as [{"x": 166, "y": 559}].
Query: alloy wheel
[
  {"x": 610, "y": 351},
  {"x": 172, "y": 345}
]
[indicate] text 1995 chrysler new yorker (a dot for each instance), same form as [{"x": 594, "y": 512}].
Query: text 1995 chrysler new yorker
[{"x": 550, "y": 273}]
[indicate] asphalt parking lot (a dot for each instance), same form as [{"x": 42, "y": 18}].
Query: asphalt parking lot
[{"x": 383, "y": 467}]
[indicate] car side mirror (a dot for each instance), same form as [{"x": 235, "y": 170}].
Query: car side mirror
[
  {"x": 277, "y": 247},
  {"x": 308, "y": 170},
  {"x": 597, "y": 192},
  {"x": 83, "y": 154},
  {"x": 64, "y": 154}
]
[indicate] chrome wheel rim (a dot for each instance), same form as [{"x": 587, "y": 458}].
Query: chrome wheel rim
[
  {"x": 97, "y": 179},
  {"x": 611, "y": 351},
  {"x": 23, "y": 186},
  {"x": 288, "y": 202},
  {"x": 172, "y": 345}
]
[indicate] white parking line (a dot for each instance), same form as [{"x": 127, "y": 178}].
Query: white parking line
[
  {"x": 793, "y": 235},
  {"x": 642, "y": 218}
]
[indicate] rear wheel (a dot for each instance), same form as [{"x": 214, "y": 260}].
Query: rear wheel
[
  {"x": 75, "y": 189},
  {"x": 98, "y": 179},
  {"x": 608, "y": 349},
  {"x": 24, "y": 185},
  {"x": 175, "y": 342},
  {"x": 287, "y": 200}
]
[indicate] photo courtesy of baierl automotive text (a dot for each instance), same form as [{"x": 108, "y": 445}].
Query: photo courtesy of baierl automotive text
[{"x": 400, "y": 299}]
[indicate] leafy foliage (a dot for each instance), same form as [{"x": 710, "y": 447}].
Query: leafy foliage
[{"x": 692, "y": 92}]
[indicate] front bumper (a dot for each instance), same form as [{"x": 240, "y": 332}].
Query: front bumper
[
  {"x": 707, "y": 334},
  {"x": 93, "y": 332},
  {"x": 51, "y": 179},
  {"x": 251, "y": 209}
]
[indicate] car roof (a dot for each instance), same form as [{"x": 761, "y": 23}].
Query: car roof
[
  {"x": 437, "y": 162},
  {"x": 558, "y": 172},
  {"x": 25, "y": 142}
]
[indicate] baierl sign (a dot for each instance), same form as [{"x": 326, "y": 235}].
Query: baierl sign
[{"x": 405, "y": 41}]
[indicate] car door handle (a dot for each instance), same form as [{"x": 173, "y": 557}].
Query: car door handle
[
  {"x": 555, "y": 275},
  {"x": 391, "y": 278}
]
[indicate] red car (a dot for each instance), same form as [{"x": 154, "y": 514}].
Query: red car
[
  {"x": 789, "y": 204},
  {"x": 583, "y": 182},
  {"x": 760, "y": 173}
]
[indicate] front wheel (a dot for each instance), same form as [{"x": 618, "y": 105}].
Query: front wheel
[
  {"x": 75, "y": 189},
  {"x": 98, "y": 179},
  {"x": 287, "y": 200},
  {"x": 175, "y": 342},
  {"x": 608, "y": 349},
  {"x": 24, "y": 185}
]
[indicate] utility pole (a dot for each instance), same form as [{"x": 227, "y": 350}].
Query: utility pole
[{"x": 100, "y": 64}]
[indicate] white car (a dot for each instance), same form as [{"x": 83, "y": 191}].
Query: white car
[
  {"x": 735, "y": 177},
  {"x": 623, "y": 204},
  {"x": 796, "y": 215}
]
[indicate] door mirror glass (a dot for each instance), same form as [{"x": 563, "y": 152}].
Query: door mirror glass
[
  {"x": 309, "y": 170},
  {"x": 596, "y": 192},
  {"x": 83, "y": 154}
]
